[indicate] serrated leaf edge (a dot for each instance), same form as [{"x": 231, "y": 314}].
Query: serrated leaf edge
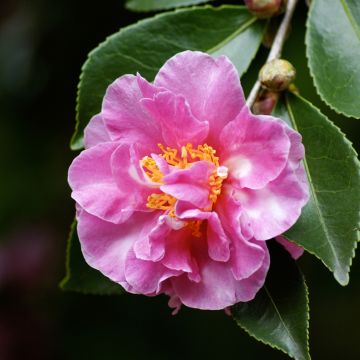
[
  {"x": 307, "y": 53},
  {"x": 307, "y": 326},
  {"x": 356, "y": 160},
  {"x": 140, "y": 9}
]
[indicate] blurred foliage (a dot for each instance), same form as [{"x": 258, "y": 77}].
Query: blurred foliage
[{"x": 43, "y": 44}]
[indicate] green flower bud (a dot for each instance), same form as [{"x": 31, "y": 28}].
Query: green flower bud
[
  {"x": 263, "y": 8},
  {"x": 277, "y": 75}
]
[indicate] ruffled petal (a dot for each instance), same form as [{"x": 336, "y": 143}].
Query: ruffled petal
[
  {"x": 210, "y": 86},
  {"x": 151, "y": 244},
  {"x": 246, "y": 256},
  {"x": 179, "y": 126},
  {"x": 217, "y": 241},
  {"x": 254, "y": 150},
  {"x": 294, "y": 250},
  {"x": 124, "y": 116},
  {"x": 95, "y": 132},
  {"x": 146, "y": 277},
  {"x": 105, "y": 245},
  {"x": 191, "y": 184},
  {"x": 218, "y": 288},
  {"x": 272, "y": 210},
  {"x": 229, "y": 209},
  {"x": 178, "y": 254},
  {"x": 297, "y": 150},
  {"x": 128, "y": 174},
  {"x": 94, "y": 187}
]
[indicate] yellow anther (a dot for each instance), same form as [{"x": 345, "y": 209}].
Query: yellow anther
[{"x": 188, "y": 156}]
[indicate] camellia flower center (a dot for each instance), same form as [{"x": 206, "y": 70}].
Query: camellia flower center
[{"x": 182, "y": 160}]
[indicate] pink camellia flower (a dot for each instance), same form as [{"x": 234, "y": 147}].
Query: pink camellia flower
[{"x": 180, "y": 185}]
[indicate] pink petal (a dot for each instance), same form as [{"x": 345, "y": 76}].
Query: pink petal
[
  {"x": 294, "y": 250},
  {"x": 191, "y": 184},
  {"x": 210, "y": 86},
  {"x": 296, "y": 154},
  {"x": 297, "y": 151},
  {"x": 105, "y": 245},
  {"x": 178, "y": 253},
  {"x": 218, "y": 288},
  {"x": 217, "y": 241},
  {"x": 174, "y": 301},
  {"x": 148, "y": 90},
  {"x": 229, "y": 209},
  {"x": 94, "y": 187},
  {"x": 179, "y": 126},
  {"x": 124, "y": 116},
  {"x": 146, "y": 277},
  {"x": 246, "y": 256},
  {"x": 272, "y": 210},
  {"x": 151, "y": 245},
  {"x": 95, "y": 132},
  {"x": 254, "y": 150},
  {"x": 128, "y": 174}
]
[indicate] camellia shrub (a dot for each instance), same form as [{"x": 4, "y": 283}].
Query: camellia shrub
[{"x": 187, "y": 187}]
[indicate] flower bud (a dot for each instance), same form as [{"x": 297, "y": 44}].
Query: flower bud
[
  {"x": 263, "y": 8},
  {"x": 277, "y": 75},
  {"x": 265, "y": 102}
]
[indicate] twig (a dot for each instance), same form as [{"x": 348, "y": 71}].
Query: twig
[{"x": 276, "y": 48}]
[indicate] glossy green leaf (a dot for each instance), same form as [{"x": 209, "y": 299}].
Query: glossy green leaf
[
  {"x": 145, "y": 46},
  {"x": 153, "y": 5},
  {"x": 80, "y": 276},
  {"x": 333, "y": 51},
  {"x": 279, "y": 314},
  {"x": 329, "y": 224}
]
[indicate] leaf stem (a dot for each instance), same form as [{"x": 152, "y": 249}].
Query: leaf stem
[{"x": 276, "y": 48}]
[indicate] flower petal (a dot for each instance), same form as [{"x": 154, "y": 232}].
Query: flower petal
[
  {"x": 272, "y": 210},
  {"x": 94, "y": 187},
  {"x": 246, "y": 256},
  {"x": 179, "y": 126},
  {"x": 146, "y": 277},
  {"x": 218, "y": 288},
  {"x": 254, "y": 150},
  {"x": 210, "y": 86},
  {"x": 178, "y": 254},
  {"x": 191, "y": 184},
  {"x": 128, "y": 174},
  {"x": 105, "y": 245},
  {"x": 151, "y": 244},
  {"x": 95, "y": 132},
  {"x": 217, "y": 241},
  {"x": 294, "y": 250},
  {"x": 124, "y": 116}
]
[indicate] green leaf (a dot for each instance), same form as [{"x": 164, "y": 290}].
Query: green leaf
[
  {"x": 329, "y": 224},
  {"x": 333, "y": 51},
  {"x": 145, "y": 46},
  {"x": 80, "y": 276},
  {"x": 152, "y": 5},
  {"x": 279, "y": 314}
]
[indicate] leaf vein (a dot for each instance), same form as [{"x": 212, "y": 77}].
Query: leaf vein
[{"x": 314, "y": 193}]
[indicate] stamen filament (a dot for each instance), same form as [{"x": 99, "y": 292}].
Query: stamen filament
[{"x": 188, "y": 156}]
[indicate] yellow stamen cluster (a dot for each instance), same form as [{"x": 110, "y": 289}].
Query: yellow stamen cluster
[
  {"x": 182, "y": 160},
  {"x": 151, "y": 169}
]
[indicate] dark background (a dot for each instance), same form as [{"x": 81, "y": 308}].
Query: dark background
[{"x": 43, "y": 44}]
